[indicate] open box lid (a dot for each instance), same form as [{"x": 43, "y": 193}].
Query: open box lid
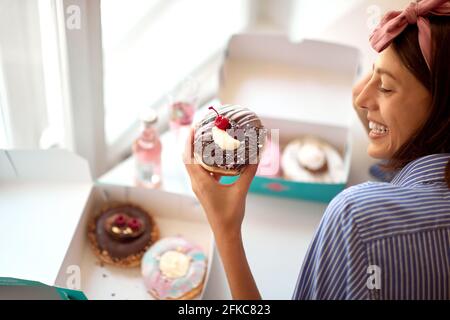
[
  {"x": 39, "y": 188},
  {"x": 310, "y": 81}
]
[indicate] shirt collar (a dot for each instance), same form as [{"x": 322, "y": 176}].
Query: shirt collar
[{"x": 423, "y": 170}]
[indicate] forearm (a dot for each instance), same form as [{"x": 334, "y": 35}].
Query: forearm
[{"x": 239, "y": 275}]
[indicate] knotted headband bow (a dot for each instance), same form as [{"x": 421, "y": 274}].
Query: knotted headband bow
[{"x": 394, "y": 22}]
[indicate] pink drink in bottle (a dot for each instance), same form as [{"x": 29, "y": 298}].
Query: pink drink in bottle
[
  {"x": 182, "y": 114},
  {"x": 147, "y": 152},
  {"x": 182, "y": 103}
]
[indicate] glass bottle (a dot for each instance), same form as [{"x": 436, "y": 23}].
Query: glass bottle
[
  {"x": 147, "y": 152},
  {"x": 182, "y": 103}
]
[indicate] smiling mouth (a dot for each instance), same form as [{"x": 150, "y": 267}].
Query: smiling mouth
[{"x": 377, "y": 129}]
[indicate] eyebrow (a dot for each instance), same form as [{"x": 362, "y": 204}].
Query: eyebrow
[{"x": 383, "y": 71}]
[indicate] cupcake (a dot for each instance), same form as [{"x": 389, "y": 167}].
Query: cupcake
[
  {"x": 121, "y": 234},
  {"x": 228, "y": 139}
]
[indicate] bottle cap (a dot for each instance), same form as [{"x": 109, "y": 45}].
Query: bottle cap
[{"x": 148, "y": 116}]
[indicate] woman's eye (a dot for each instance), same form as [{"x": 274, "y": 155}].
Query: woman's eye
[{"x": 383, "y": 90}]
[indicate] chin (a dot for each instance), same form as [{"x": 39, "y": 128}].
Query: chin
[{"x": 377, "y": 152}]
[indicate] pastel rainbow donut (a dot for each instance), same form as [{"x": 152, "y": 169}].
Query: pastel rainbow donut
[{"x": 174, "y": 268}]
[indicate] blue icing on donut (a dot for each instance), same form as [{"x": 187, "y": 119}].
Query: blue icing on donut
[
  {"x": 149, "y": 258},
  {"x": 198, "y": 256}
]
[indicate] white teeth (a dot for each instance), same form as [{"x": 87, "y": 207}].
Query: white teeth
[{"x": 377, "y": 127}]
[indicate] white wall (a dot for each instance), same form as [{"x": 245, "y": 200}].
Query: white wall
[{"x": 353, "y": 23}]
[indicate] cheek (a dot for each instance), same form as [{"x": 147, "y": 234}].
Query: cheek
[
  {"x": 403, "y": 118},
  {"x": 398, "y": 130},
  {"x": 397, "y": 120}
]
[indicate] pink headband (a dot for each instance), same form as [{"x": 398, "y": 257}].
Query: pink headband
[{"x": 394, "y": 22}]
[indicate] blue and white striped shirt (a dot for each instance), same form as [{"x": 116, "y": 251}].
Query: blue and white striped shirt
[{"x": 382, "y": 240}]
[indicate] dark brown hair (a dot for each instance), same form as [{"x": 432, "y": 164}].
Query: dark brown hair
[{"x": 434, "y": 135}]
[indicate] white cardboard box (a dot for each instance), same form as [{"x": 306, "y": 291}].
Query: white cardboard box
[
  {"x": 298, "y": 88},
  {"x": 309, "y": 81},
  {"x": 46, "y": 200}
]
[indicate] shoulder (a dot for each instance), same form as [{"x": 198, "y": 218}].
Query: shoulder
[
  {"x": 353, "y": 204},
  {"x": 366, "y": 191},
  {"x": 356, "y": 195}
]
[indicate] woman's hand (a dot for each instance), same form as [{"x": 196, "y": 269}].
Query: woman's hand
[
  {"x": 357, "y": 89},
  {"x": 359, "y": 86},
  {"x": 224, "y": 204}
]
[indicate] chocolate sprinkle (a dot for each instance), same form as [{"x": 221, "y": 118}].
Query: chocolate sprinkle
[{"x": 245, "y": 126}]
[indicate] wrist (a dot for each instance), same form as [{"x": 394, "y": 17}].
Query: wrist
[
  {"x": 225, "y": 227},
  {"x": 228, "y": 238}
]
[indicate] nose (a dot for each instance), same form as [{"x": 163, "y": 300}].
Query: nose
[{"x": 367, "y": 98}]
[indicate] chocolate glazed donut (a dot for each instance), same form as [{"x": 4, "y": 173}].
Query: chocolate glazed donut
[
  {"x": 243, "y": 125},
  {"x": 121, "y": 234},
  {"x": 119, "y": 246}
]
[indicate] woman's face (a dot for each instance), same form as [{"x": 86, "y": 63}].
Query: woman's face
[{"x": 397, "y": 105}]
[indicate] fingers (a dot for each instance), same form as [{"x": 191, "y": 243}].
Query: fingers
[
  {"x": 247, "y": 176},
  {"x": 195, "y": 171},
  {"x": 358, "y": 88},
  {"x": 216, "y": 176},
  {"x": 200, "y": 175},
  {"x": 188, "y": 154},
  {"x": 360, "y": 110}
]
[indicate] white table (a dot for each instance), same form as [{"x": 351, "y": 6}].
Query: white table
[{"x": 276, "y": 231}]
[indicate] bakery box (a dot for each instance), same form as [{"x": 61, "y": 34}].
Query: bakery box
[
  {"x": 47, "y": 198},
  {"x": 19, "y": 289},
  {"x": 298, "y": 88}
]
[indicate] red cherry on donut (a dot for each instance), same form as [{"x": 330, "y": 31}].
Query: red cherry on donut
[
  {"x": 119, "y": 220},
  {"x": 221, "y": 122},
  {"x": 134, "y": 224}
]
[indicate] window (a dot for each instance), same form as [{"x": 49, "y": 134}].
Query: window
[
  {"x": 150, "y": 46},
  {"x": 22, "y": 100},
  {"x": 3, "y": 133},
  {"x": 82, "y": 89},
  {"x": 4, "y": 140}
]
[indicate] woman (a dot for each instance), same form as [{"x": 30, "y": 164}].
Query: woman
[{"x": 376, "y": 240}]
